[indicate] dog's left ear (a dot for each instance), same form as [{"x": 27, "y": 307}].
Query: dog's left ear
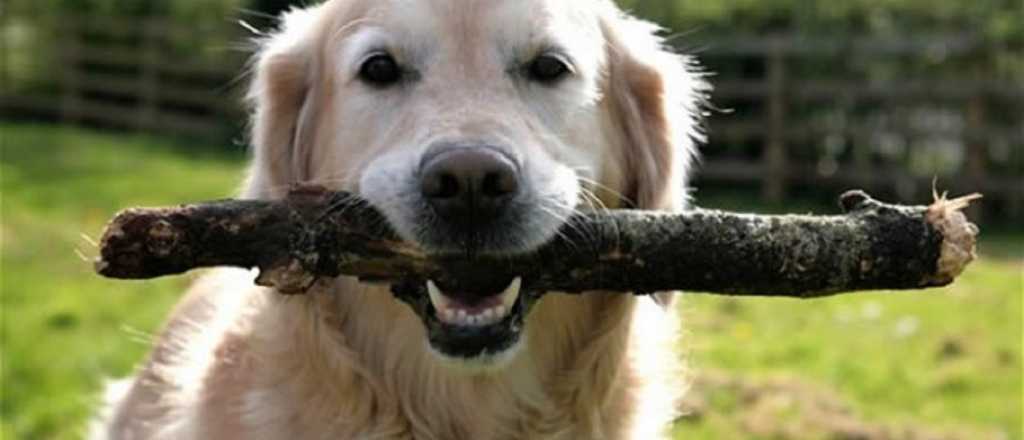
[{"x": 654, "y": 97}]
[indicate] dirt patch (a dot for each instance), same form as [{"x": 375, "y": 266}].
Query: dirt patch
[{"x": 791, "y": 409}]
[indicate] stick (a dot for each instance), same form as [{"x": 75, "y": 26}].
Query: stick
[{"x": 314, "y": 233}]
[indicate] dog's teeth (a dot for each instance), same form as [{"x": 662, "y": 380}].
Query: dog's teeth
[
  {"x": 436, "y": 297},
  {"x": 511, "y": 293},
  {"x": 451, "y": 313},
  {"x": 481, "y": 318}
]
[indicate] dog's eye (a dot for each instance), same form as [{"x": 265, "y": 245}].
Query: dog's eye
[
  {"x": 548, "y": 68},
  {"x": 380, "y": 70}
]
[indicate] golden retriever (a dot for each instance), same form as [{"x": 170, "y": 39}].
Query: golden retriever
[{"x": 475, "y": 126}]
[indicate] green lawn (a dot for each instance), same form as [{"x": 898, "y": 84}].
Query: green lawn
[
  {"x": 64, "y": 329},
  {"x": 949, "y": 360}
]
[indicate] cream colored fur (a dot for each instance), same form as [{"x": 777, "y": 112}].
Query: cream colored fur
[{"x": 347, "y": 360}]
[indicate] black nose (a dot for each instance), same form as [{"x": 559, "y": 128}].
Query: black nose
[{"x": 469, "y": 185}]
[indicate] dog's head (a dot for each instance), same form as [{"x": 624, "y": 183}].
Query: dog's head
[{"x": 476, "y": 127}]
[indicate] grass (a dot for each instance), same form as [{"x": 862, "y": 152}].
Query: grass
[
  {"x": 949, "y": 359},
  {"x": 64, "y": 329}
]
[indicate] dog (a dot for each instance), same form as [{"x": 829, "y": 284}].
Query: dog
[{"x": 476, "y": 127}]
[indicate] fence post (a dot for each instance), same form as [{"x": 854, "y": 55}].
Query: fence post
[
  {"x": 977, "y": 151},
  {"x": 70, "y": 85},
  {"x": 862, "y": 150},
  {"x": 861, "y": 143},
  {"x": 774, "y": 156},
  {"x": 149, "y": 81}
]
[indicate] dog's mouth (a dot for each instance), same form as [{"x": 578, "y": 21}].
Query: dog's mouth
[{"x": 478, "y": 327}]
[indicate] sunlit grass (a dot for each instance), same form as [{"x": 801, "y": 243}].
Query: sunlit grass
[
  {"x": 948, "y": 358},
  {"x": 64, "y": 329}
]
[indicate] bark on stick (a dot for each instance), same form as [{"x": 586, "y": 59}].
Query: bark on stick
[{"x": 314, "y": 233}]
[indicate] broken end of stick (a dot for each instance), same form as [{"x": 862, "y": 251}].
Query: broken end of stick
[
  {"x": 959, "y": 237},
  {"x": 101, "y": 265},
  {"x": 122, "y": 256}
]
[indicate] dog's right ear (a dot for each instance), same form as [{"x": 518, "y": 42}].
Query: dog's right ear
[{"x": 279, "y": 97}]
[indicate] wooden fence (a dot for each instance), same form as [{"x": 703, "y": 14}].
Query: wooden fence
[
  {"x": 768, "y": 130},
  {"x": 146, "y": 75},
  {"x": 773, "y": 114}
]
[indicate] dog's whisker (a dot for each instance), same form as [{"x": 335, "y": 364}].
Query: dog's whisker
[
  {"x": 81, "y": 256},
  {"x": 88, "y": 239},
  {"x": 591, "y": 181},
  {"x": 561, "y": 234},
  {"x": 603, "y": 187},
  {"x": 138, "y": 336},
  {"x": 582, "y": 227},
  {"x": 593, "y": 200},
  {"x": 601, "y": 208},
  {"x": 549, "y": 206},
  {"x": 252, "y": 29},
  {"x": 255, "y": 13}
]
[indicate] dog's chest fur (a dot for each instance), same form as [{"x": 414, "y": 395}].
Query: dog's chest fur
[{"x": 325, "y": 366}]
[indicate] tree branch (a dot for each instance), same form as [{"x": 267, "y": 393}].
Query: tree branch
[{"x": 314, "y": 233}]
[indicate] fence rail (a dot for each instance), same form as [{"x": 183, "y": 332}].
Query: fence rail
[
  {"x": 774, "y": 117},
  {"x": 135, "y": 75},
  {"x": 131, "y": 74}
]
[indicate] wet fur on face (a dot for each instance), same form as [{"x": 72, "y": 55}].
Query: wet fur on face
[{"x": 348, "y": 360}]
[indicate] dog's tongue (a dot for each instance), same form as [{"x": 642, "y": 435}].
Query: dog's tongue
[{"x": 474, "y": 310}]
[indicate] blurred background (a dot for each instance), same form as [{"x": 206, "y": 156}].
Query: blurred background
[{"x": 111, "y": 103}]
